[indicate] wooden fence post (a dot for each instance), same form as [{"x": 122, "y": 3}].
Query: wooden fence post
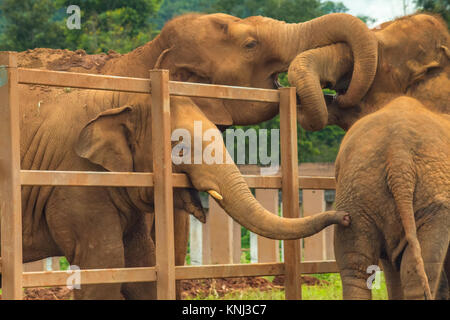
[
  {"x": 289, "y": 182},
  {"x": 163, "y": 190},
  {"x": 10, "y": 188}
]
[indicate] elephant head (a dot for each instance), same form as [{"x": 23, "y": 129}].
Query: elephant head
[
  {"x": 222, "y": 49},
  {"x": 414, "y": 59},
  {"x": 120, "y": 140}
]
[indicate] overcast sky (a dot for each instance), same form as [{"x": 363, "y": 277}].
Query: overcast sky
[{"x": 381, "y": 10}]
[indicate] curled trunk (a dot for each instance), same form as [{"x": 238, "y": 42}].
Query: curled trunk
[
  {"x": 312, "y": 70},
  {"x": 293, "y": 39}
]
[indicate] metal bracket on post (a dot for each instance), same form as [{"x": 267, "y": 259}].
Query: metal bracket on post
[
  {"x": 10, "y": 188},
  {"x": 163, "y": 187},
  {"x": 290, "y": 187}
]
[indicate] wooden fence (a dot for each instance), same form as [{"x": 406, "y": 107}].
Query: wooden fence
[{"x": 162, "y": 180}]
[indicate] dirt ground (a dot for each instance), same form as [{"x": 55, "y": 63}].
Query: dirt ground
[
  {"x": 64, "y": 60},
  {"x": 190, "y": 288}
]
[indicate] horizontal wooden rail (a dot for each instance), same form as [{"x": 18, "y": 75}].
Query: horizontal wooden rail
[
  {"x": 83, "y": 81},
  {"x": 138, "y": 85},
  {"x": 88, "y": 276},
  {"x": 137, "y": 179},
  {"x": 229, "y": 270},
  {"x": 119, "y": 275},
  {"x": 223, "y": 92}
]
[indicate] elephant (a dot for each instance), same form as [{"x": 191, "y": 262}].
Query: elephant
[
  {"x": 222, "y": 49},
  {"x": 393, "y": 177},
  {"x": 413, "y": 60},
  {"x": 88, "y": 130}
]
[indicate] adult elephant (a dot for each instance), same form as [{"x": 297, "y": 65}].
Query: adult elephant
[{"x": 88, "y": 130}]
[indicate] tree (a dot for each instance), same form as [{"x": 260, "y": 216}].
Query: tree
[
  {"x": 30, "y": 24},
  {"x": 286, "y": 10},
  {"x": 441, "y": 7},
  {"x": 172, "y": 8},
  {"x": 120, "y": 25}
]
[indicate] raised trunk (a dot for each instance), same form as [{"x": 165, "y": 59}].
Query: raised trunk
[
  {"x": 311, "y": 70},
  {"x": 240, "y": 204},
  {"x": 289, "y": 40}
]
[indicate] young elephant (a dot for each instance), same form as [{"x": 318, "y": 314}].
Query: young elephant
[{"x": 393, "y": 177}]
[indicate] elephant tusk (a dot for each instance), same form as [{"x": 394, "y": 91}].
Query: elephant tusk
[{"x": 215, "y": 195}]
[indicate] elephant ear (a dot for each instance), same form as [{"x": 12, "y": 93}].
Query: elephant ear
[{"x": 105, "y": 140}]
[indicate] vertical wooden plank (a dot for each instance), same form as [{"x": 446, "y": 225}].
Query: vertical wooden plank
[
  {"x": 206, "y": 243},
  {"x": 253, "y": 247},
  {"x": 220, "y": 234},
  {"x": 268, "y": 249},
  {"x": 290, "y": 197},
  {"x": 195, "y": 241},
  {"x": 10, "y": 189},
  {"x": 163, "y": 191},
  {"x": 315, "y": 246}
]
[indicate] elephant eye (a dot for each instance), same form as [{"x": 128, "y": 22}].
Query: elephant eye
[{"x": 250, "y": 44}]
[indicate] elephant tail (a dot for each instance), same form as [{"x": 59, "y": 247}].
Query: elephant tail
[{"x": 402, "y": 180}]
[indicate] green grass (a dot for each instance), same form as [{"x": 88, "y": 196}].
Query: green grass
[{"x": 330, "y": 291}]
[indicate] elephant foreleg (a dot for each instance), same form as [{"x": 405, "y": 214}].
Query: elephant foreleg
[
  {"x": 140, "y": 252},
  {"x": 89, "y": 233}
]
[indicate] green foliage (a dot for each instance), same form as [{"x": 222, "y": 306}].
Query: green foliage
[
  {"x": 120, "y": 25},
  {"x": 286, "y": 10},
  {"x": 111, "y": 25},
  {"x": 441, "y": 7},
  {"x": 63, "y": 263},
  {"x": 172, "y": 8},
  {"x": 30, "y": 24}
]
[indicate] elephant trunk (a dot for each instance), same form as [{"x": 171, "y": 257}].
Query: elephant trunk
[
  {"x": 238, "y": 201},
  {"x": 309, "y": 72},
  {"x": 293, "y": 39}
]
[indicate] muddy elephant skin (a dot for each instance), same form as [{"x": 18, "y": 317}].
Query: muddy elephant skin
[{"x": 393, "y": 177}]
